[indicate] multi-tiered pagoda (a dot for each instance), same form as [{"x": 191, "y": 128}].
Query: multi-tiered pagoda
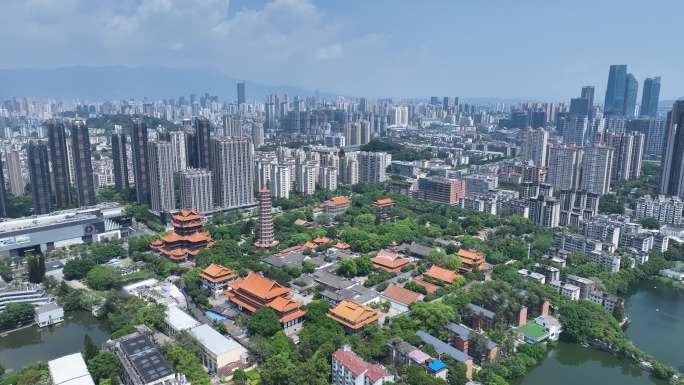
[{"x": 187, "y": 238}]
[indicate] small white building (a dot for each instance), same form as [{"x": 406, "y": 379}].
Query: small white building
[
  {"x": 219, "y": 354},
  {"x": 178, "y": 321},
  {"x": 551, "y": 325},
  {"x": 49, "y": 314},
  {"x": 565, "y": 289},
  {"x": 69, "y": 370}
]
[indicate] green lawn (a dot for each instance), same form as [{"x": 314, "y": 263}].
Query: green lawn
[{"x": 533, "y": 330}]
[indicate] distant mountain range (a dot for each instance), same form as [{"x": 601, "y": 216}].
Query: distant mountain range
[{"x": 120, "y": 82}]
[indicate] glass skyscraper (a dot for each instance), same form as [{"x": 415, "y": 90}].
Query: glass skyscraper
[
  {"x": 650, "y": 97},
  {"x": 615, "y": 92}
]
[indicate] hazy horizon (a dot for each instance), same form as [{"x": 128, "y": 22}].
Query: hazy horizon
[{"x": 522, "y": 50}]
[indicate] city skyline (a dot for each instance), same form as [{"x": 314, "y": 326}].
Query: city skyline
[{"x": 502, "y": 56}]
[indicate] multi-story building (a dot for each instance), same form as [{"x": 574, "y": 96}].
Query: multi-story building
[
  {"x": 607, "y": 260},
  {"x": 281, "y": 182},
  {"x": 650, "y": 97},
  {"x": 441, "y": 190},
  {"x": 585, "y": 285},
  {"x": 533, "y": 145},
  {"x": 480, "y": 184},
  {"x": 39, "y": 171},
  {"x": 353, "y": 316},
  {"x": 120, "y": 161},
  {"x": 336, "y": 206},
  {"x": 574, "y": 242},
  {"x": 350, "y": 369},
  {"x": 372, "y": 166},
  {"x": 3, "y": 192},
  {"x": 265, "y": 226},
  {"x": 514, "y": 207},
  {"x": 576, "y": 206},
  {"x": 180, "y": 158},
  {"x": 197, "y": 190},
  {"x": 221, "y": 355},
  {"x": 186, "y": 240},
  {"x": 602, "y": 229},
  {"x": 327, "y": 178},
  {"x": 628, "y": 154},
  {"x": 545, "y": 211},
  {"x": 667, "y": 210},
  {"x": 59, "y": 164},
  {"x": 564, "y": 167},
  {"x": 484, "y": 203},
  {"x": 597, "y": 163},
  {"x": 654, "y": 134},
  {"x": 201, "y": 143},
  {"x": 162, "y": 192},
  {"x": 567, "y": 290},
  {"x": 608, "y": 301},
  {"x": 233, "y": 172},
  {"x": 349, "y": 170},
  {"x": 69, "y": 370},
  {"x": 17, "y": 184},
  {"x": 672, "y": 175},
  {"x": 642, "y": 242}
]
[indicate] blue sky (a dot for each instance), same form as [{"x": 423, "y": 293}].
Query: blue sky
[{"x": 471, "y": 48}]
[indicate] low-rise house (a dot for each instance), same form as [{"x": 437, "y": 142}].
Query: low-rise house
[
  {"x": 461, "y": 337},
  {"x": 400, "y": 298},
  {"x": 219, "y": 354},
  {"x": 416, "y": 249},
  {"x": 390, "y": 261},
  {"x": 441, "y": 275},
  {"x": 565, "y": 289},
  {"x": 541, "y": 278},
  {"x": 533, "y": 333},
  {"x": 471, "y": 260},
  {"x": 441, "y": 348},
  {"x": 402, "y": 353},
  {"x": 353, "y": 316},
  {"x": 69, "y": 370},
  {"x": 357, "y": 293},
  {"x": 49, "y": 314},
  {"x": 551, "y": 325},
  {"x": 429, "y": 287},
  {"x": 350, "y": 369},
  {"x": 216, "y": 278}
]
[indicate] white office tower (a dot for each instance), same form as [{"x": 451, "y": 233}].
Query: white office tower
[
  {"x": 180, "y": 159},
  {"x": 597, "y": 163},
  {"x": 349, "y": 170},
  {"x": 232, "y": 164},
  {"x": 197, "y": 190},
  {"x": 280, "y": 181},
  {"x": 563, "y": 168},
  {"x": 232, "y": 126},
  {"x": 372, "y": 166},
  {"x": 306, "y": 178},
  {"x": 162, "y": 194},
  {"x": 533, "y": 146},
  {"x": 257, "y": 134},
  {"x": 628, "y": 154},
  {"x": 327, "y": 178}
]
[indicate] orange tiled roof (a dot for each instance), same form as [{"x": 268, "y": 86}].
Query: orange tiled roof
[
  {"x": 284, "y": 304},
  {"x": 402, "y": 295},
  {"x": 259, "y": 286},
  {"x": 339, "y": 201},
  {"x": 390, "y": 260},
  {"x": 441, "y": 274},
  {"x": 291, "y": 316},
  {"x": 342, "y": 246},
  {"x": 384, "y": 202},
  {"x": 429, "y": 287},
  {"x": 187, "y": 215},
  {"x": 322, "y": 240},
  {"x": 300, "y": 222},
  {"x": 172, "y": 237},
  {"x": 353, "y": 315},
  {"x": 310, "y": 245},
  {"x": 217, "y": 273},
  {"x": 471, "y": 255}
]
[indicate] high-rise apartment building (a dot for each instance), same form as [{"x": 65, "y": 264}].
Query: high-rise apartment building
[
  {"x": 233, "y": 172},
  {"x": 672, "y": 175},
  {"x": 281, "y": 180},
  {"x": 265, "y": 230},
  {"x": 629, "y": 152},
  {"x": 57, "y": 149},
  {"x": 576, "y": 206},
  {"x": 372, "y": 166},
  {"x": 349, "y": 170},
  {"x": 563, "y": 167},
  {"x": 120, "y": 160},
  {"x": 197, "y": 190},
  {"x": 534, "y": 145},
  {"x": 232, "y": 125},
  {"x": 588, "y": 93},
  {"x": 140, "y": 161},
  {"x": 545, "y": 211},
  {"x": 17, "y": 184},
  {"x": 180, "y": 159},
  {"x": 597, "y": 163},
  {"x": 575, "y": 129},
  {"x": 441, "y": 190},
  {"x": 654, "y": 135},
  {"x": 201, "y": 143},
  {"x": 39, "y": 171},
  {"x": 257, "y": 134},
  {"x": 306, "y": 178},
  {"x": 3, "y": 192},
  {"x": 162, "y": 192},
  {"x": 327, "y": 178},
  {"x": 667, "y": 210},
  {"x": 650, "y": 97},
  {"x": 80, "y": 146}
]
